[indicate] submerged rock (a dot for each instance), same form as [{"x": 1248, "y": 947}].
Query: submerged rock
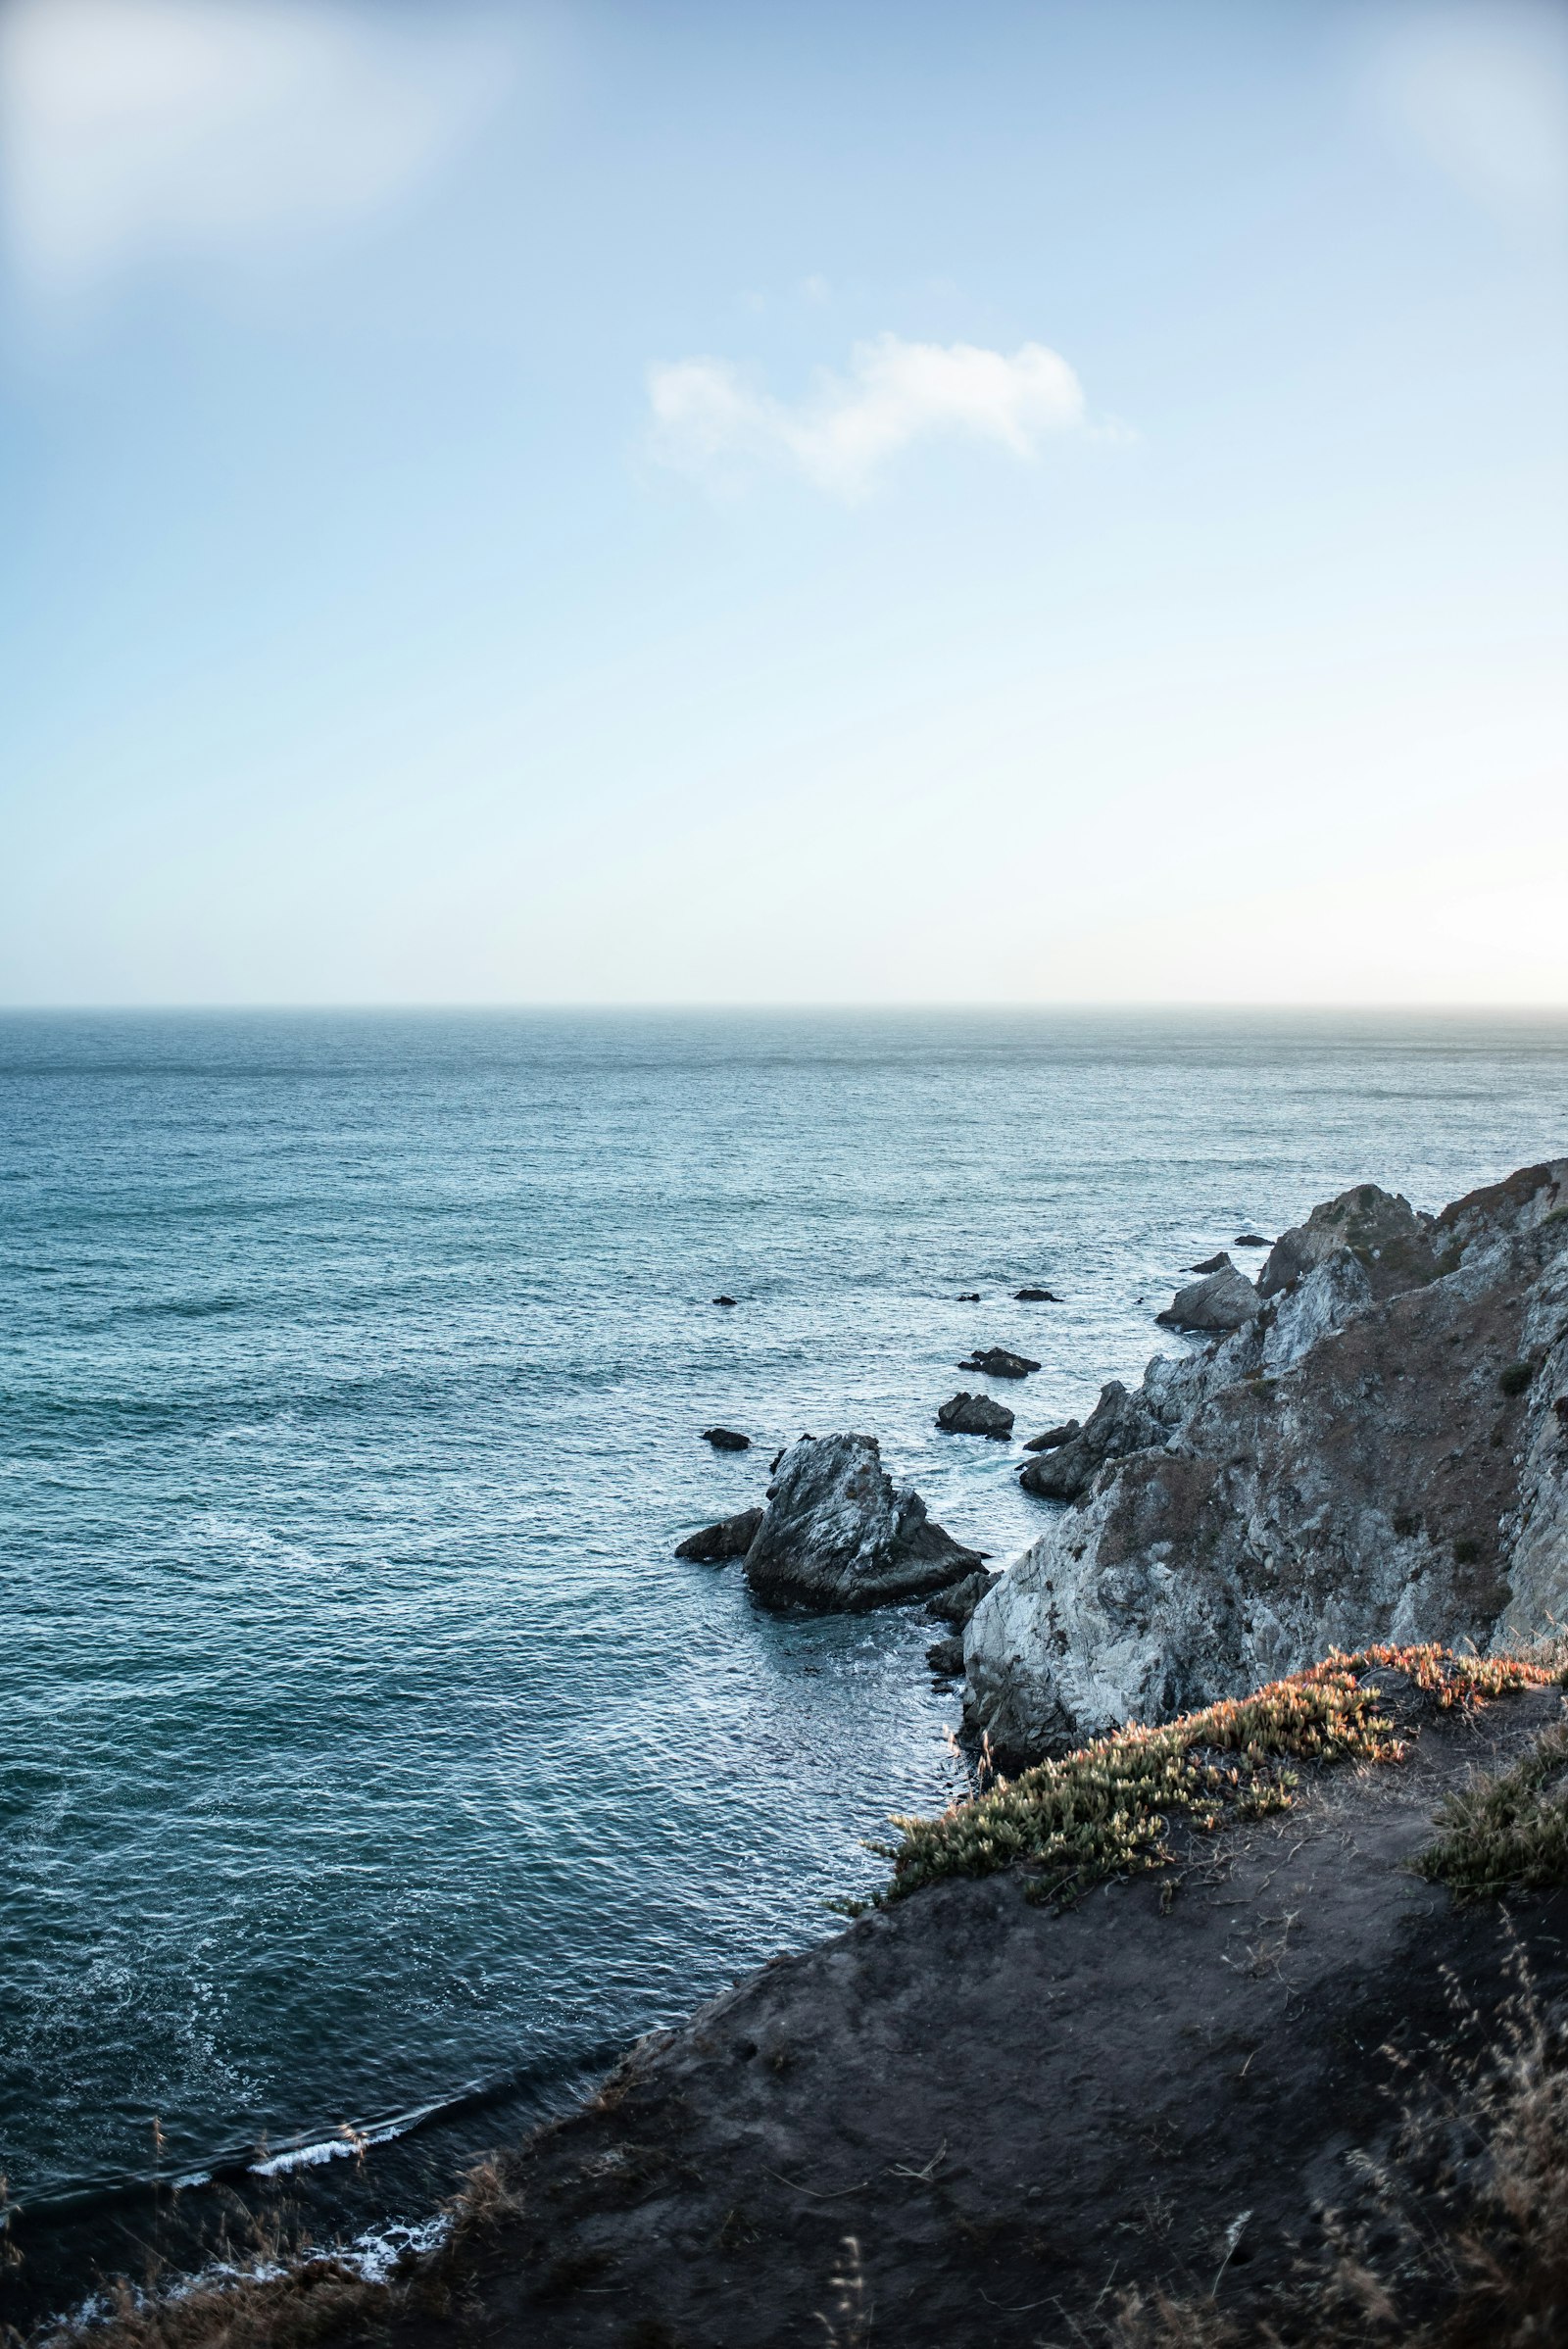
[
  {"x": 975, "y": 1415},
  {"x": 726, "y": 1439},
  {"x": 1223, "y": 1302},
  {"x": 1053, "y": 1438},
  {"x": 1036, "y": 1296},
  {"x": 998, "y": 1362},
  {"x": 1349, "y": 1467},
  {"x": 724, "y": 1301},
  {"x": 838, "y": 1533},
  {"x": 716, "y": 1545}
]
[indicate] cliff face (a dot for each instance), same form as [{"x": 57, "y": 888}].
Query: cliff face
[{"x": 1375, "y": 1454}]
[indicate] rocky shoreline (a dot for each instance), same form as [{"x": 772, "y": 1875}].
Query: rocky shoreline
[{"x": 972, "y": 2115}]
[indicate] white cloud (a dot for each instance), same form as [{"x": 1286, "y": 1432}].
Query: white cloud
[
  {"x": 1483, "y": 91},
  {"x": 709, "y": 420},
  {"x": 136, "y": 128}
]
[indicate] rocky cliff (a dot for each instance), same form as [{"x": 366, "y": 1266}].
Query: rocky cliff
[{"x": 1376, "y": 1451}]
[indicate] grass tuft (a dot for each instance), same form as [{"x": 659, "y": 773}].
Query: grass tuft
[
  {"x": 1507, "y": 1834},
  {"x": 1107, "y": 1810}
]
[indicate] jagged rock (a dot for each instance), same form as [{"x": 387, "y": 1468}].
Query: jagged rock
[
  {"x": 998, "y": 1362},
  {"x": 946, "y": 1657},
  {"x": 1219, "y": 1263},
  {"x": 726, "y": 1439},
  {"x": 715, "y": 1544},
  {"x": 975, "y": 1415},
  {"x": 1382, "y": 1230},
  {"x": 1223, "y": 1302},
  {"x": 1055, "y": 1437},
  {"x": 1119, "y": 1423},
  {"x": 957, "y": 1602},
  {"x": 840, "y": 1532},
  {"x": 1345, "y": 1468},
  {"x": 1036, "y": 1296}
]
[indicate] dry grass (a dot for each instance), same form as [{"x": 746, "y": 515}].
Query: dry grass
[
  {"x": 1507, "y": 1834},
  {"x": 314, "y": 2300},
  {"x": 1464, "y": 2242},
  {"x": 1107, "y": 1810}
]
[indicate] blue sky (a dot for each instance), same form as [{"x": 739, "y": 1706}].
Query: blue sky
[{"x": 839, "y": 503}]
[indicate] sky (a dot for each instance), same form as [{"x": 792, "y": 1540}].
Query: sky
[{"x": 851, "y": 503}]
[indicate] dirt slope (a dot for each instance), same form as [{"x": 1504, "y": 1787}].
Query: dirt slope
[{"x": 1009, "y": 2109}]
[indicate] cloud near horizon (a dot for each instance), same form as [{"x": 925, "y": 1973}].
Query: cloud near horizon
[
  {"x": 132, "y": 129},
  {"x": 711, "y": 421}
]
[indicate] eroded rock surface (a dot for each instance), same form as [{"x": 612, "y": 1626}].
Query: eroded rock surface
[
  {"x": 840, "y": 1532},
  {"x": 968, "y": 1414},
  {"x": 1375, "y": 1455},
  {"x": 716, "y": 1545},
  {"x": 1222, "y": 1301}
]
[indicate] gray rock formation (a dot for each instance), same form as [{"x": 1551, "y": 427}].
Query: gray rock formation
[
  {"x": 1377, "y": 1455},
  {"x": 975, "y": 1415},
  {"x": 1383, "y": 1233},
  {"x": 1052, "y": 1439},
  {"x": 1119, "y": 1423},
  {"x": 838, "y": 1533},
  {"x": 957, "y": 1602},
  {"x": 1222, "y": 1301},
  {"x": 715, "y": 1544},
  {"x": 726, "y": 1439},
  {"x": 1216, "y": 1264}
]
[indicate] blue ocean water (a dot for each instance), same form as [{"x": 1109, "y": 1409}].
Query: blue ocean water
[{"x": 364, "y": 1747}]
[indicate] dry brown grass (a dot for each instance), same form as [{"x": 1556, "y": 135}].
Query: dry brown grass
[
  {"x": 314, "y": 2300},
  {"x": 1460, "y": 2240}
]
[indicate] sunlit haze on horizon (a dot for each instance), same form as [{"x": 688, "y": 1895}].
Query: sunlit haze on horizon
[{"x": 721, "y": 504}]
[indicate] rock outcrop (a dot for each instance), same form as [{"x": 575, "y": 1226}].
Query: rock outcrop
[
  {"x": 726, "y": 1439},
  {"x": 1053, "y": 1438},
  {"x": 1119, "y": 1423},
  {"x": 1221, "y": 1301},
  {"x": 1376, "y": 1455},
  {"x": 838, "y": 1533},
  {"x": 716, "y": 1545},
  {"x": 975, "y": 1415}
]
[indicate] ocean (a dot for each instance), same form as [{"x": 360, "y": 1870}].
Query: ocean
[{"x": 370, "y": 1767}]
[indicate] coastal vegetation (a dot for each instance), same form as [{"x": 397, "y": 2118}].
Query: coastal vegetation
[{"x": 1110, "y": 1809}]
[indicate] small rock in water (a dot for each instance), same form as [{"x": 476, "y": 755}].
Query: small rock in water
[
  {"x": 1219, "y": 1263},
  {"x": 946, "y": 1657},
  {"x": 975, "y": 1415},
  {"x": 969, "y": 1296},
  {"x": 724, "y": 1301},
  {"x": 998, "y": 1363},
  {"x": 1053, "y": 1438},
  {"x": 1036, "y": 1296},
  {"x": 726, "y": 1439},
  {"x": 1251, "y": 1240},
  {"x": 731, "y": 1538}
]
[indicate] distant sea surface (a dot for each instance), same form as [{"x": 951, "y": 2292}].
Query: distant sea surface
[{"x": 368, "y": 1760}]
